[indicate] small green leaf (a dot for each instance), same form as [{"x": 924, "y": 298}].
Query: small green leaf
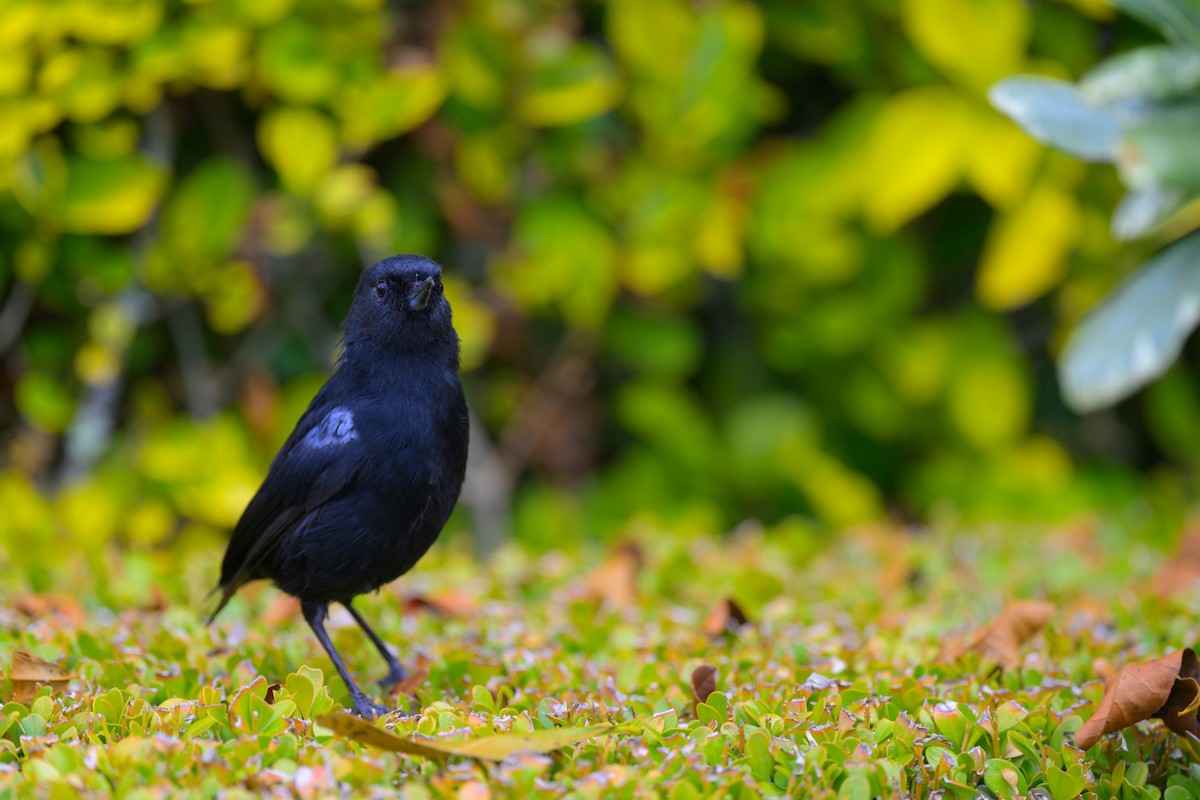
[
  {"x": 304, "y": 684},
  {"x": 110, "y": 705},
  {"x": 758, "y": 756},
  {"x": 708, "y": 715},
  {"x": 855, "y": 787},
  {"x": 482, "y": 699},
  {"x": 1172, "y": 793},
  {"x": 1064, "y": 784},
  {"x": 32, "y": 725},
  {"x": 1003, "y": 778}
]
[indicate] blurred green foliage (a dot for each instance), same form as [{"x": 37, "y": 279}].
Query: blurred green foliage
[{"x": 708, "y": 260}]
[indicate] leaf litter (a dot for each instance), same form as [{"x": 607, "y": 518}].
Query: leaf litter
[
  {"x": 839, "y": 691},
  {"x": 1166, "y": 688},
  {"x": 28, "y": 673}
]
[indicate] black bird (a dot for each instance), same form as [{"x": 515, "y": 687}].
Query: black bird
[{"x": 364, "y": 484}]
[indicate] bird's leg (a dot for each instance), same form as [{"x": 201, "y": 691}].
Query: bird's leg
[
  {"x": 314, "y": 614},
  {"x": 396, "y": 670}
]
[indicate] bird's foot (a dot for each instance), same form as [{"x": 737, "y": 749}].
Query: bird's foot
[
  {"x": 396, "y": 674},
  {"x": 368, "y": 710}
]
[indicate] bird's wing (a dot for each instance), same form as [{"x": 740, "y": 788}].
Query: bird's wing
[{"x": 319, "y": 462}]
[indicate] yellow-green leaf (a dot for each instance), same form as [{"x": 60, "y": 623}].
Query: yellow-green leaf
[
  {"x": 1026, "y": 250},
  {"x": 975, "y": 42},
  {"x": 293, "y": 62},
  {"x": 391, "y": 105},
  {"x": 301, "y": 144},
  {"x": 561, "y": 255},
  {"x": 113, "y": 196},
  {"x": 1001, "y": 165},
  {"x": 488, "y": 748},
  {"x": 574, "y": 85},
  {"x": 114, "y": 23},
  {"x": 20, "y": 21},
  {"x": 218, "y": 191},
  {"x": 915, "y": 155},
  {"x": 989, "y": 400},
  {"x": 44, "y": 402},
  {"x": 474, "y": 321}
]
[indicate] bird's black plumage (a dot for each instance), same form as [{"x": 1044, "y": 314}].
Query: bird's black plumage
[{"x": 364, "y": 484}]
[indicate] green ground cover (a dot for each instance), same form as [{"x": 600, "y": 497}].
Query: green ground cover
[{"x": 853, "y": 677}]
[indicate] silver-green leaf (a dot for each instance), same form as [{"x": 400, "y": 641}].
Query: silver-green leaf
[
  {"x": 1054, "y": 113},
  {"x": 1135, "y": 335},
  {"x": 1156, "y": 72},
  {"x": 1178, "y": 20},
  {"x": 1142, "y": 210},
  {"x": 1162, "y": 149}
]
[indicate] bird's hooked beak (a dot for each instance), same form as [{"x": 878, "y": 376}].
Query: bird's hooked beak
[{"x": 419, "y": 298}]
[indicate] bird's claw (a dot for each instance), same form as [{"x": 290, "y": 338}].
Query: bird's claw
[{"x": 371, "y": 711}]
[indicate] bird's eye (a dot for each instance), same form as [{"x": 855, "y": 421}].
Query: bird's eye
[{"x": 381, "y": 288}]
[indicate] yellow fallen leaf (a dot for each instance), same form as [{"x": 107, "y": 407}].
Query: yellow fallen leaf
[{"x": 487, "y": 748}]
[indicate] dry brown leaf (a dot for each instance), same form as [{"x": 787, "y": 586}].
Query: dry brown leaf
[
  {"x": 614, "y": 581},
  {"x": 29, "y": 672},
  {"x": 447, "y": 602},
  {"x": 157, "y": 602},
  {"x": 1001, "y": 639},
  {"x": 1183, "y": 569},
  {"x": 409, "y": 685},
  {"x": 883, "y": 549},
  {"x": 1103, "y": 668},
  {"x": 281, "y": 608},
  {"x": 726, "y": 617},
  {"x": 1165, "y": 688},
  {"x": 1179, "y": 712},
  {"x": 307, "y": 782},
  {"x": 40, "y": 606},
  {"x": 474, "y": 790},
  {"x": 260, "y": 405},
  {"x": 496, "y": 747},
  {"x": 704, "y": 683}
]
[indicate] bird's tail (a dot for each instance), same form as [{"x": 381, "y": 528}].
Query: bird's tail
[{"x": 226, "y": 593}]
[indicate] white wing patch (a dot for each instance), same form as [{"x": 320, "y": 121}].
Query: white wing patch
[{"x": 337, "y": 428}]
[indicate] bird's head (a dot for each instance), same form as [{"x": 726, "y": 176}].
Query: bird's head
[{"x": 399, "y": 305}]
